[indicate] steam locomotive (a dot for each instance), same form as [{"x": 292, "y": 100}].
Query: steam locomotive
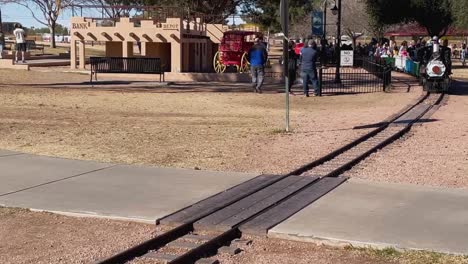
[{"x": 436, "y": 70}]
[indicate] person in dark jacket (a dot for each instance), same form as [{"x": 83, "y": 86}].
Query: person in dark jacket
[
  {"x": 292, "y": 65},
  {"x": 309, "y": 57},
  {"x": 257, "y": 57}
]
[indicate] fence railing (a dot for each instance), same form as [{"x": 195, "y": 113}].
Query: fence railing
[{"x": 368, "y": 77}]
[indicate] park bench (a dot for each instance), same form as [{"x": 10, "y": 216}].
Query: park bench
[
  {"x": 126, "y": 65},
  {"x": 31, "y": 45}
]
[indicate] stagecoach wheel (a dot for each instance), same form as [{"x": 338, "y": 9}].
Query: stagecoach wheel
[
  {"x": 218, "y": 65},
  {"x": 245, "y": 65}
]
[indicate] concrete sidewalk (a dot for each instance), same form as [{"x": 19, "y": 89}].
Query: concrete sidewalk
[
  {"x": 382, "y": 215},
  {"x": 100, "y": 189},
  {"x": 359, "y": 213}
]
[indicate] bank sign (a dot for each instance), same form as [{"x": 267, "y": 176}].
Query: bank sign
[
  {"x": 347, "y": 58},
  {"x": 80, "y": 25}
]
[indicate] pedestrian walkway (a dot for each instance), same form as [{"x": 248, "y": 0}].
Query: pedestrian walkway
[
  {"x": 362, "y": 213},
  {"x": 100, "y": 189},
  {"x": 359, "y": 213}
]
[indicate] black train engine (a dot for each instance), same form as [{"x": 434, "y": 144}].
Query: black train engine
[{"x": 436, "y": 68}]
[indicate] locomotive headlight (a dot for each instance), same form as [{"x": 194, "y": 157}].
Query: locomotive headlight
[{"x": 435, "y": 68}]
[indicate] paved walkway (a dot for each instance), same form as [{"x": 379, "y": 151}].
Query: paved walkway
[
  {"x": 358, "y": 212},
  {"x": 382, "y": 215},
  {"x": 117, "y": 191}
]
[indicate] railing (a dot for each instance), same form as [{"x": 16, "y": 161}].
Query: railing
[{"x": 370, "y": 77}]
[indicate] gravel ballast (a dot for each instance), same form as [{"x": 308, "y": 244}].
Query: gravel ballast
[{"x": 433, "y": 153}]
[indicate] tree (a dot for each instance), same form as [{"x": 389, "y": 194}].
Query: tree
[
  {"x": 355, "y": 22},
  {"x": 61, "y": 30},
  {"x": 459, "y": 10},
  {"x": 49, "y": 9},
  {"x": 435, "y": 15},
  {"x": 213, "y": 11},
  {"x": 111, "y": 8},
  {"x": 267, "y": 12}
]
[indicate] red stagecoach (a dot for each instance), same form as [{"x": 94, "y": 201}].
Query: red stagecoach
[{"x": 233, "y": 50}]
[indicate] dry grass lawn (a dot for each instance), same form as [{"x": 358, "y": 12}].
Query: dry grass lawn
[{"x": 208, "y": 126}]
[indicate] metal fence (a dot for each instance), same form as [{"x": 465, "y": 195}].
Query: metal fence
[{"x": 367, "y": 76}]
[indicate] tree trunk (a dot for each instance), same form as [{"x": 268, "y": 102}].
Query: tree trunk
[{"x": 52, "y": 35}]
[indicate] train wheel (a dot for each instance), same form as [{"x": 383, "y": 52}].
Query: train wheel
[
  {"x": 245, "y": 65},
  {"x": 218, "y": 65},
  {"x": 446, "y": 85},
  {"x": 425, "y": 84}
]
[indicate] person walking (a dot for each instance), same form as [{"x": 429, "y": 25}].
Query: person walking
[
  {"x": 20, "y": 36},
  {"x": 2, "y": 43},
  {"x": 292, "y": 66},
  {"x": 463, "y": 54},
  {"x": 257, "y": 57},
  {"x": 309, "y": 67}
]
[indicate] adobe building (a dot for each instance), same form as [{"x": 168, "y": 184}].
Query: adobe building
[{"x": 182, "y": 45}]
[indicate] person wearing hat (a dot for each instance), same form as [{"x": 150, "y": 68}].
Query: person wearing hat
[
  {"x": 257, "y": 57},
  {"x": 20, "y": 36},
  {"x": 309, "y": 56}
]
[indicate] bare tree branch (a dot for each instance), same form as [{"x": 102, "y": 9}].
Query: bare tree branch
[{"x": 50, "y": 10}]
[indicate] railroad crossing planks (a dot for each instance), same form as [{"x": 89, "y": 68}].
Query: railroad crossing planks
[
  {"x": 263, "y": 222},
  {"x": 218, "y": 201},
  {"x": 250, "y": 206}
]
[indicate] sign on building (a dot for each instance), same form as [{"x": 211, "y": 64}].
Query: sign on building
[{"x": 347, "y": 58}]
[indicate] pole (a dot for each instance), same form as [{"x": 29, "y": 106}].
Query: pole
[
  {"x": 285, "y": 23},
  {"x": 324, "y": 37},
  {"x": 338, "y": 47},
  {"x": 325, "y": 21}
]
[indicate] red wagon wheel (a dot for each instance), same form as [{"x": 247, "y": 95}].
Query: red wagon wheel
[
  {"x": 245, "y": 64},
  {"x": 218, "y": 65}
]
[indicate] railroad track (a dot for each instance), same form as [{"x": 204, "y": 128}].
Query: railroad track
[{"x": 217, "y": 223}]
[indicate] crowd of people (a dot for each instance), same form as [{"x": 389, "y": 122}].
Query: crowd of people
[
  {"x": 410, "y": 50},
  {"x": 309, "y": 55},
  {"x": 307, "y": 59}
]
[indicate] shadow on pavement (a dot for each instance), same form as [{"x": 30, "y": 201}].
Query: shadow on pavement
[{"x": 459, "y": 87}]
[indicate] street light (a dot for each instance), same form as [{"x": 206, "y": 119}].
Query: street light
[{"x": 336, "y": 10}]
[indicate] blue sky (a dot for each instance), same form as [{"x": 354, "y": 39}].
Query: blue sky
[{"x": 17, "y": 13}]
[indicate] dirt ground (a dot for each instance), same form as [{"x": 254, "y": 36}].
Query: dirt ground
[
  {"x": 49, "y": 238},
  {"x": 222, "y": 127},
  {"x": 28, "y": 237},
  {"x": 434, "y": 153}
]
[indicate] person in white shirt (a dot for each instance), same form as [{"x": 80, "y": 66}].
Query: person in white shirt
[{"x": 20, "y": 36}]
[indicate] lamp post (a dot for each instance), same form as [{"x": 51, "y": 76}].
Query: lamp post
[
  {"x": 336, "y": 10},
  {"x": 324, "y": 37},
  {"x": 284, "y": 8}
]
